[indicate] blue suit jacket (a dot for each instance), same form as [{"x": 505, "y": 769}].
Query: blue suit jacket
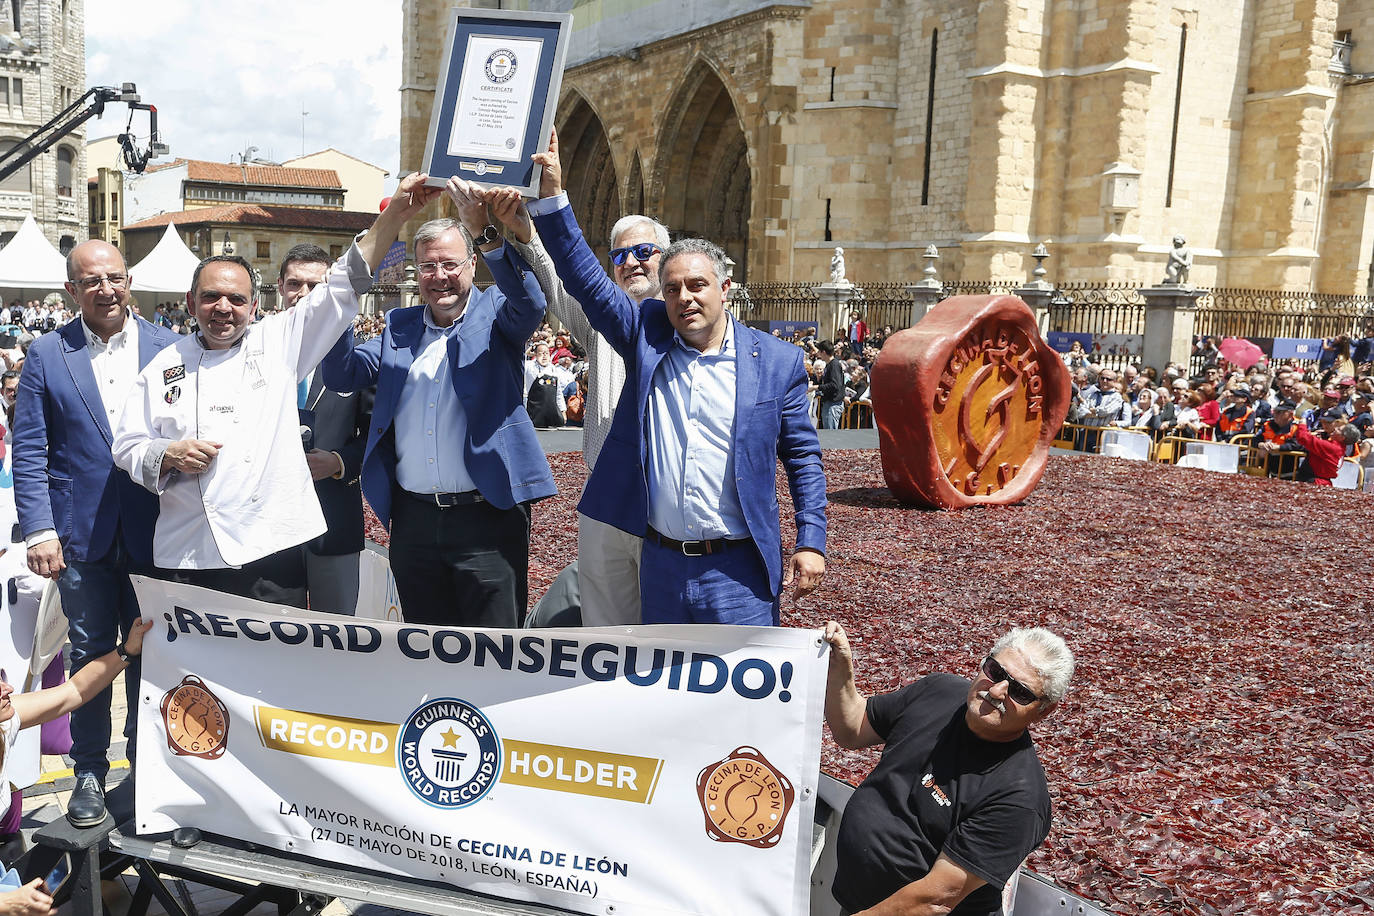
[
  {"x": 64, "y": 474},
  {"x": 485, "y": 359},
  {"x": 771, "y": 418}
]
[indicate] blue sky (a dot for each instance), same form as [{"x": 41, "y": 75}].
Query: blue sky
[{"x": 230, "y": 75}]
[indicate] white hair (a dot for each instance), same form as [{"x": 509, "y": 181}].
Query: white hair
[
  {"x": 1048, "y": 655},
  {"x": 626, "y": 223}
]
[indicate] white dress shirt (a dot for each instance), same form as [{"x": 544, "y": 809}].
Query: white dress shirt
[
  {"x": 691, "y": 421},
  {"x": 115, "y": 364},
  {"x": 431, "y": 424}
]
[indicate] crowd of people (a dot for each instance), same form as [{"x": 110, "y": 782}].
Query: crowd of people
[{"x": 1318, "y": 411}]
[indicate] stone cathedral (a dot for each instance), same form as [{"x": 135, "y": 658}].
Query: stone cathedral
[{"x": 1104, "y": 127}]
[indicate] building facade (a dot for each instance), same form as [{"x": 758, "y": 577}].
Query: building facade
[
  {"x": 1105, "y": 127},
  {"x": 42, "y": 71}
]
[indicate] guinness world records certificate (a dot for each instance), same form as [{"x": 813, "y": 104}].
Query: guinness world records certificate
[{"x": 495, "y": 99}]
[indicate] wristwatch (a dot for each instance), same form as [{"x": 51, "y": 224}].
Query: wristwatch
[
  {"x": 489, "y": 236},
  {"x": 123, "y": 650}
]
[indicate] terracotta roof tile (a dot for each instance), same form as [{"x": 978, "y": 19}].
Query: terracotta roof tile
[
  {"x": 270, "y": 175},
  {"x": 262, "y": 215}
]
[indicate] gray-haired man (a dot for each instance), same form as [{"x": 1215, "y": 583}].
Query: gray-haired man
[{"x": 959, "y": 798}]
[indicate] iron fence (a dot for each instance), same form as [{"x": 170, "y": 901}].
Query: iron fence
[
  {"x": 777, "y": 302},
  {"x": 883, "y": 304},
  {"x": 1113, "y": 313},
  {"x": 1263, "y": 313}
]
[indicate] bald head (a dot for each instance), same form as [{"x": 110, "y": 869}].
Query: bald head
[
  {"x": 86, "y": 250},
  {"x": 99, "y": 282}
]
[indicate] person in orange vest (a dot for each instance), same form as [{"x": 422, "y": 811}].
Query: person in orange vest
[
  {"x": 1279, "y": 434},
  {"x": 1238, "y": 417}
]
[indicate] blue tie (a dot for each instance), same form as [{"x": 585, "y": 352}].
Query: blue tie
[{"x": 302, "y": 392}]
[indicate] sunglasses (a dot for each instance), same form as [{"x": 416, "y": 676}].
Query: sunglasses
[
  {"x": 642, "y": 252},
  {"x": 1018, "y": 691}
]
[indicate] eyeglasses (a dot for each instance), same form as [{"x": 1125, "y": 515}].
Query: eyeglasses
[
  {"x": 1018, "y": 691},
  {"x": 642, "y": 252},
  {"x": 116, "y": 281},
  {"x": 430, "y": 268}
]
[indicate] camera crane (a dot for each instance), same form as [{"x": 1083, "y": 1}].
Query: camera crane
[{"x": 90, "y": 105}]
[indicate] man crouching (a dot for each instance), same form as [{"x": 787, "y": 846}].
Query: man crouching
[{"x": 958, "y": 799}]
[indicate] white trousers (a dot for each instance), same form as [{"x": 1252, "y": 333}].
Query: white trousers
[{"x": 607, "y": 573}]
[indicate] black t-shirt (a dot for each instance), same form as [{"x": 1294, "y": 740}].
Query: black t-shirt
[{"x": 939, "y": 789}]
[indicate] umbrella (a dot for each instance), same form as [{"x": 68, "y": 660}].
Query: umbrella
[{"x": 1240, "y": 352}]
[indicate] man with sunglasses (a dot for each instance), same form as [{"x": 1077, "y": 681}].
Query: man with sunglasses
[
  {"x": 958, "y": 799},
  {"x": 85, "y": 523},
  {"x": 452, "y": 461},
  {"x": 607, "y": 557},
  {"x": 708, "y": 409}
]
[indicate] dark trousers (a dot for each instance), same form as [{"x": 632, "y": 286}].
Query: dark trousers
[
  {"x": 99, "y": 603},
  {"x": 463, "y": 566},
  {"x": 277, "y": 578}
]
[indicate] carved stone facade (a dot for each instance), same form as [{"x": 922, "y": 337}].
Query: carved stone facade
[
  {"x": 42, "y": 71},
  {"x": 985, "y": 126}
]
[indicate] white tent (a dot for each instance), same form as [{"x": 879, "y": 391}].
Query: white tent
[
  {"x": 30, "y": 262},
  {"x": 167, "y": 268}
]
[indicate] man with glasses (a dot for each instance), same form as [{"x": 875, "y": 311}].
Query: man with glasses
[
  {"x": 959, "y": 798},
  {"x": 452, "y": 461},
  {"x": 1100, "y": 406},
  {"x": 86, "y": 525}
]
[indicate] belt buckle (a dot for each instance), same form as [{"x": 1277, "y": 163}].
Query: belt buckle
[
  {"x": 695, "y": 548},
  {"x": 441, "y": 502}
]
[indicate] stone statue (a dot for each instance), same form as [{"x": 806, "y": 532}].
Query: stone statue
[
  {"x": 1180, "y": 262},
  {"x": 837, "y": 266}
]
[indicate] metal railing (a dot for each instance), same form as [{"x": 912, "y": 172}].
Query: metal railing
[
  {"x": 779, "y": 302},
  {"x": 1114, "y": 313}
]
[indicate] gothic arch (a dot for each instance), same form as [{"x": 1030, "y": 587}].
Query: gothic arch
[
  {"x": 634, "y": 188},
  {"x": 702, "y": 171},
  {"x": 588, "y": 172}
]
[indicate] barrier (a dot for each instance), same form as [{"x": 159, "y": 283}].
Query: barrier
[
  {"x": 1350, "y": 476},
  {"x": 1126, "y": 443},
  {"x": 1212, "y": 456}
]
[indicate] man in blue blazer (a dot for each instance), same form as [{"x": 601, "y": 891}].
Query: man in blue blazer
[
  {"x": 708, "y": 408},
  {"x": 86, "y": 524},
  {"x": 452, "y": 460}
]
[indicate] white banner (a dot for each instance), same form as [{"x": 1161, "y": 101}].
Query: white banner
[{"x": 627, "y": 770}]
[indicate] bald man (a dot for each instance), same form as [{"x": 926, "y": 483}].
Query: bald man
[{"x": 86, "y": 524}]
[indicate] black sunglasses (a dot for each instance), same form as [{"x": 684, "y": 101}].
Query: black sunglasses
[
  {"x": 1018, "y": 691},
  {"x": 642, "y": 252}
]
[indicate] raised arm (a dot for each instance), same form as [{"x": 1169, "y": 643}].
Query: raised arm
[
  {"x": 607, "y": 307},
  {"x": 44, "y": 705},
  {"x": 845, "y": 708}
]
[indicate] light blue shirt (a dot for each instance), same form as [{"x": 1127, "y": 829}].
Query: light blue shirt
[
  {"x": 691, "y": 466},
  {"x": 431, "y": 424}
]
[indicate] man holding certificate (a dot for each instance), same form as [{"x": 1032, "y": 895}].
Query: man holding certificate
[{"x": 708, "y": 408}]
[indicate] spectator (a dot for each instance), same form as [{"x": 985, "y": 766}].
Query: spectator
[
  {"x": 1100, "y": 406},
  {"x": 830, "y": 393},
  {"x": 544, "y": 385},
  {"x": 1210, "y": 408},
  {"x": 1324, "y": 456},
  {"x": 856, "y": 333},
  {"x": 1165, "y": 413},
  {"x": 1278, "y": 434},
  {"x": 1145, "y": 410},
  {"x": 1076, "y": 358},
  {"x": 1238, "y": 418},
  {"x": 1189, "y": 423}
]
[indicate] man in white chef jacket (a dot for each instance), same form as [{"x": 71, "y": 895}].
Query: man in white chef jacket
[{"x": 211, "y": 424}]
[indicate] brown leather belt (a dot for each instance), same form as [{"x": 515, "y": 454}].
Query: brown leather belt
[{"x": 695, "y": 548}]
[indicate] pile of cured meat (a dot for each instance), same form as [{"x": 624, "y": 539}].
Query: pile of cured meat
[{"x": 1215, "y": 754}]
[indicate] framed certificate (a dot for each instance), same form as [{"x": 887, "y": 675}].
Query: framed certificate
[{"x": 494, "y": 105}]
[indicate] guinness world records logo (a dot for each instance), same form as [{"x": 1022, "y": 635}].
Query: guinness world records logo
[
  {"x": 449, "y": 753},
  {"x": 500, "y": 65}
]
